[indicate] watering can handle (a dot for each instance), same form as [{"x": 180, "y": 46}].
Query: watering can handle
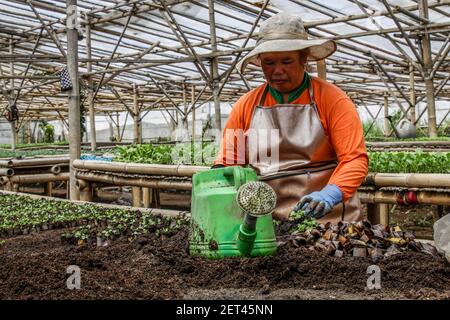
[{"x": 237, "y": 173}]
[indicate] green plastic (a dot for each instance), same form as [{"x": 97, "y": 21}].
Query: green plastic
[
  {"x": 246, "y": 240},
  {"x": 216, "y": 218}
]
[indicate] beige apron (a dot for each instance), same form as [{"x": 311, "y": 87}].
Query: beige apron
[{"x": 306, "y": 158}]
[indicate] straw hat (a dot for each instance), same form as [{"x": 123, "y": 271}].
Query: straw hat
[{"x": 285, "y": 32}]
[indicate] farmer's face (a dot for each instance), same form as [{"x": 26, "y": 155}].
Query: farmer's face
[{"x": 283, "y": 70}]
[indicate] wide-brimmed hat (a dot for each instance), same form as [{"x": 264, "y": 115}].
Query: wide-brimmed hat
[{"x": 285, "y": 32}]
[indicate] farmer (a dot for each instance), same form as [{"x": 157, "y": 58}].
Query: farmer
[{"x": 317, "y": 156}]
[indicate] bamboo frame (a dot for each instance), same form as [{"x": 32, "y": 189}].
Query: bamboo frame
[
  {"x": 410, "y": 180},
  {"x": 107, "y": 178},
  {"x": 391, "y": 197},
  {"x": 139, "y": 168},
  {"x": 105, "y": 26}
]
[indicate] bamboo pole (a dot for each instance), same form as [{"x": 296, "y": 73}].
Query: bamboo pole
[
  {"x": 422, "y": 144},
  {"x": 124, "y": 29},
  {"x": 73, "y": 96},
  {"x": 37, "y": 170},
  {"x": 386, "y": 114},
  {"x": 86, "y": 193},
  {"x": 411, "y": 180},
  {"x": 412, "y": 94},
  {"x": 39, "y": 178},
  {"x": 322, "y": 69},
  {"x": 410, "y": 149},
  {"x": 215, "y": 67},
  {"x": 6, "y": 172},
  {"x": 139, "y": 168},
  {"x": 134, "y": 182},
  {"x": 31, "y": 163},
  {"x": 156, "y": 199},
  {"x": 193, "y": 111},
  {"x": 90, "y": 98},
  {"x": 137, "y": 117},
  {"x": 147, "y": 197},
  {"x": 137, "y": 197},
  {"x": 391, "y": 197},
  {"x": 377, "y": 213},
  {"x": 428, "y": 66},
  {"x": 118, "y": 127},
  {"x": 11, "y": 97},
  {"x": 29, "y": 136},
  {"x": 108, "y": 195},
  {"x": 6, "y": 163},
  {"x": 384, "y": 213},
  {"x": 56, "y": 169},
  {"x": 48, "y": 188},
  {"x": 185, "y": 110}
]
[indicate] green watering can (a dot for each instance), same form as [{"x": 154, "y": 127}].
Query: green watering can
[{"x": 231, "y": 214}]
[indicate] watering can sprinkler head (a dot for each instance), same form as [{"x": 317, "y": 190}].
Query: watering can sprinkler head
[{"x": 255, "y": 199}]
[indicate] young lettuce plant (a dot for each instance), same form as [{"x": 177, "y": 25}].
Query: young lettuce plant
[{"x": 301, "y": 223}]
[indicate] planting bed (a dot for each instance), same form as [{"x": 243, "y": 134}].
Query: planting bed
[{"x": 153, "y": 263}]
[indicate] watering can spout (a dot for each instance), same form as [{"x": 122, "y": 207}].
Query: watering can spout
[{"x": 247, "y": 235}]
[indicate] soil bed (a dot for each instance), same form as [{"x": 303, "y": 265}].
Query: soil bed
[{"x": 34, "y": 267}]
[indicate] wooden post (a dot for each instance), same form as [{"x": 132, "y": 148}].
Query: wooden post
[
  {"x": 214, "y": 66},
  {"x": 136, "y": 117},
  {"x": 322, "y": 69},
  {"x": 91, "y": 87},
  {"x": 428, "y": 67},
  {"x": 386, "y": 113},
  {"x": 137, "y": 197},
  {"x": 74, "y": 94},
  {"x": 147, "y": 197}
]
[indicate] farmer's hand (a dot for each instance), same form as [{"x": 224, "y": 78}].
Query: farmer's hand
[{"x": 319, "y": 203}]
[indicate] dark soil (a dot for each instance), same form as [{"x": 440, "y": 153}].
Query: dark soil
[{"x": 34, "y": 267}]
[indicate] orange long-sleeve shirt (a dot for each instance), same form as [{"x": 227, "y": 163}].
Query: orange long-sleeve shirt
[{"x": 339, "y": 118}]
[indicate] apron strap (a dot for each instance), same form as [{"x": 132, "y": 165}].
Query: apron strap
[{"x": 263, "y": 96}]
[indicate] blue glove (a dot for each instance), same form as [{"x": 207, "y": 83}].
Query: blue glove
[{"x": 319, "y": 203}]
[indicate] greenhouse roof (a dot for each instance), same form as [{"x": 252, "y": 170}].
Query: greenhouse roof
[{"x": 169, "y": 49}]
